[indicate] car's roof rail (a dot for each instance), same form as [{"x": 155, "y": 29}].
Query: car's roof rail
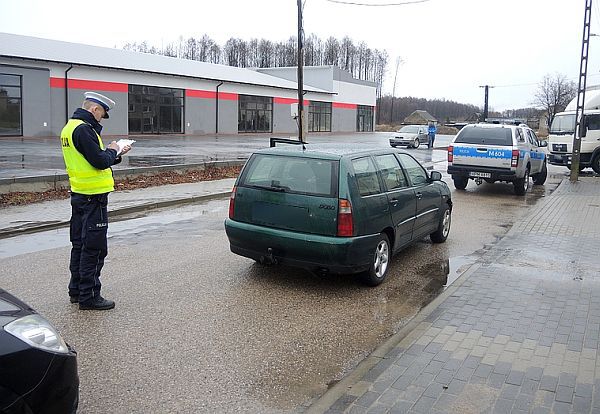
[{"x": 275, "y": 141}]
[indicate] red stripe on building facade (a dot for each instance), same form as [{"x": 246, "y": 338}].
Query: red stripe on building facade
[
  {"x": 288, "y": 101},
  {"x": 195, "y": 93},
  {"x": 90, "y": 85},
  {"x": 344, "y": 105}
]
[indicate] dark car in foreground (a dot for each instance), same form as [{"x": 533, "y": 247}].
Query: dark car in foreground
[
  {"x": 335, "y": 209},
  {"x": 38, "y": 370}
]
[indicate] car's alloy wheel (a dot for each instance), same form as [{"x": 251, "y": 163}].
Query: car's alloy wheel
[
  {"x": 379, "y": 267},
  {"x": 441, "y": 234},
  {"x": 416, "y": 143}
]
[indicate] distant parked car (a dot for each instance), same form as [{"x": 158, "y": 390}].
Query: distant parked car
[
  {"x": 38, "y": 370},
  {"x": 335, "y": 209},
  {"x": 410, "y": 136}
]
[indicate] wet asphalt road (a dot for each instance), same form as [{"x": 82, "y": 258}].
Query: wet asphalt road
[{"x": 198, "y": 329}]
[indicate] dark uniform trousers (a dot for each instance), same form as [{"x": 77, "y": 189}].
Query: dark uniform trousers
[{"x": 89, "y": 226}]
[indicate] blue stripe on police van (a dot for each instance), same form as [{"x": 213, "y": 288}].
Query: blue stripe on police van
[{"x": 489, "y": 153}]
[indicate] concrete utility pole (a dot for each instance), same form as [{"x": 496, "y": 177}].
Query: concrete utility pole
[
  {"x": 300, "y": 76},
  {"x": 485, "y": 102},
  {"x": 579, "y": 118}
]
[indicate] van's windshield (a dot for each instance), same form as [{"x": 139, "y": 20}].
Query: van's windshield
[
  {"x": 563, "y": 124},
  {"x": 292, "y": 175}
]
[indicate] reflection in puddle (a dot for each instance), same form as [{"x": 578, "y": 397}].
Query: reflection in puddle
[{"x": 444, "y": 272}]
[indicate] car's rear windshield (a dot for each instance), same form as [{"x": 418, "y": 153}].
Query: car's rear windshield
[
  {"x": 484, "y": 136},
  {"x": 292, "y": 174}
]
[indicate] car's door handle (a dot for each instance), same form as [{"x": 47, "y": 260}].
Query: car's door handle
[
  {"x": 419, "y": 195},
  {"x": 394, "y": 201}
]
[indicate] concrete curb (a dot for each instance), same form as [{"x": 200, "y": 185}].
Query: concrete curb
[
  {"x": 352, "y": 380},
  {"x": 10, "y": 232}
]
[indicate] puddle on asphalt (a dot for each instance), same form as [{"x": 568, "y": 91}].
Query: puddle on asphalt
[{"x": 444, "y": 272}]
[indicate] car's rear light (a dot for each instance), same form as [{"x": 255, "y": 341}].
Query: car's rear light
[
  {"x": 450, "y": 153},
  {"x": 515, "y": 158},
  {"x": 232, "y": 202},
  {"x": 345, "y": 222}
]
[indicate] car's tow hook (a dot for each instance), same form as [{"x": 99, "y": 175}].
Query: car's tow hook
[
  {"x": 478, "y": 180},
  {"x": 269, "y": 258}
]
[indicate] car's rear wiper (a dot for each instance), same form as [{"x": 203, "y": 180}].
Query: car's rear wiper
[{"x": 271, "y": 188}]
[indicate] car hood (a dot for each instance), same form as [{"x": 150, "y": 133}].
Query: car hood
[{"x": 12, "y": 308}]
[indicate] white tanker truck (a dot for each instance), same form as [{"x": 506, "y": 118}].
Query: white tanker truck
[{"x": 560, "y": 135}]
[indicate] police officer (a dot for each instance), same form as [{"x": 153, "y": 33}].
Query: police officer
[{"x": 88, "y": 165}]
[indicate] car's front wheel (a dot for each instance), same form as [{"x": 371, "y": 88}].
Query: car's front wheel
[
  {"x": 416, "y": 143},
  {"x": 379, "y": 262},
  {"x": 540, "y": 178},
  {"x": 596, "y": 164},
  {"x": 441, "y": 234}
]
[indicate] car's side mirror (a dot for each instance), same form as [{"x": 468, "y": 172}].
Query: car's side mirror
[
  {"x": 583, "y": 126},
  {"x": 435, "y": 176},
  {"x": 543, "y": 143}
]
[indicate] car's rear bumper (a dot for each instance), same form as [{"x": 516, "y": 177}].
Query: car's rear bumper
[
  {"x": 496, "y": 174},
  {"x": 343, "y": 255}
]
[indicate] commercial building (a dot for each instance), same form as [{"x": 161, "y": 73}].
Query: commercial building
[{"x": 42, "y": 82}]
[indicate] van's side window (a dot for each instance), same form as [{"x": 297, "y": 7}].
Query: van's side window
[
  {"x": 416, "y": 173},
  {"x": 593, "y": 122},
  {"x": 393, "y": 176},
  {"x": 366, "y": 176}
]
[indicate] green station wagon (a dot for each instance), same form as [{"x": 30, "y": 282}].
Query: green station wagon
[{"x": 335, "y": 209}]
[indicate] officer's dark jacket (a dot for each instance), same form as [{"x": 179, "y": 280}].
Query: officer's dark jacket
[{"x": 86, "y": 141}]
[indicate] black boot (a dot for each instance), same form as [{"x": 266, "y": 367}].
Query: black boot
[{"x": 97, "y": 303}]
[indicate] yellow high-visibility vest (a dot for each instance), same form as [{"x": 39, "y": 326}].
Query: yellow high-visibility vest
[{"x": 83, "y": 176}]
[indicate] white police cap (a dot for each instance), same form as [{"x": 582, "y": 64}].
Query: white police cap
[{"x": 101, "y": 100}]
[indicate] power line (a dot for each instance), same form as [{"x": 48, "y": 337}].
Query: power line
[{"x": 351, "y": 3}]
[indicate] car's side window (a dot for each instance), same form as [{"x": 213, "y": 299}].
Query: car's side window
[
  {"x": 366, "y": 176},
  {"x": 392, "y": 174},
  {"x": 532, "y": 138},
  {"x": 593, "y": 122},
  {"x": 414, "y": 170},
  {"x": 520, "y": 137}
]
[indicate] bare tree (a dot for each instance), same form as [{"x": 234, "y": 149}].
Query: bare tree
[{"x": 554, "y": 93}]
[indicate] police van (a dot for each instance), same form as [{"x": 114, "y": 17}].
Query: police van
[{"x": 497, "y": 152}]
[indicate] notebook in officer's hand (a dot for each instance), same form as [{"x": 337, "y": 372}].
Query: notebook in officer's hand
[{"x": 122, "y": 143}]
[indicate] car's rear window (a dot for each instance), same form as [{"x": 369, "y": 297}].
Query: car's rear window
[
  {"x": 484, "y": 136},
  {"x": 292, "y": 174}
]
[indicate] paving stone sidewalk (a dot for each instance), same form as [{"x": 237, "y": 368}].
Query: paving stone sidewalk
[{"x": 518, "y": 333}]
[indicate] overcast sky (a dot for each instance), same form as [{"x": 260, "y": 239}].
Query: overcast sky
[{"x": 449, "y": 47}]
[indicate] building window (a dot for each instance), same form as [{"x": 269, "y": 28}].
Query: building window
[
  {"x": 255, "y": 114},
  {"x": 155, "y": 110},
  {"x": 364, "y": 118},
  {"x": 11, "y": 122},
  {"x": 319, "y": 116}
]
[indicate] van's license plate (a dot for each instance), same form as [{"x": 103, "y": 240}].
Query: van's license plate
[{"x": 480, "y": 174}]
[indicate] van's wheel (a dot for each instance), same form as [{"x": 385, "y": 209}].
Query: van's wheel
[
  {"x": 416, "y": 143},
  {"x": 460, "y": 183},
  {"x": 379, "y": 263},
  {"x": 540, "y": 178},
  {"x": 596, "y": 163},
  {"x": 522, "y": 184},
  {"x": 441, "y": 234}
]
